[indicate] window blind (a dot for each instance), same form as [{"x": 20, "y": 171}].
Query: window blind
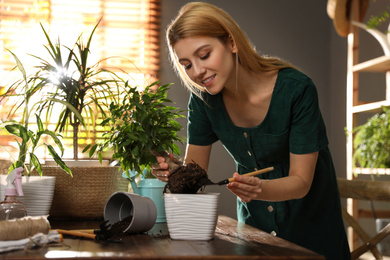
[{"x": 128, "y": 35}]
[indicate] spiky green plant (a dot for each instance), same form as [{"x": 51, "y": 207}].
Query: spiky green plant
[
  {"x": 29, "y": 140},
  {"x": 85, "y": 88}
]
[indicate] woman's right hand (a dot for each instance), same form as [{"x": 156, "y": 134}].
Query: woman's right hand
[{"x": 161, "y": 169}]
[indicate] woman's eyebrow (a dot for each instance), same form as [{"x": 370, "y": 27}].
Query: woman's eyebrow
[{"x": 195, "y": 52}]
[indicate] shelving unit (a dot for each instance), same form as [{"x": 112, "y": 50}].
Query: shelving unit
[{"x": 355, "y": 107}]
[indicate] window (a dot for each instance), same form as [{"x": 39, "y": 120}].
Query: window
[{"x": 129, "y": 29}]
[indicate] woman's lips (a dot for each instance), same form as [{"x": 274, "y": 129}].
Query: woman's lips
[{"x": 207, "y": 82}]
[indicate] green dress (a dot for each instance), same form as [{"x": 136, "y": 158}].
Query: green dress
[{"x": 293, "y": 124}]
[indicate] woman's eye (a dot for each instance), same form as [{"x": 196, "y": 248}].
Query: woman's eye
[
  {"x": 187, "y": 67},
  {"x": 205, "y": 56}
]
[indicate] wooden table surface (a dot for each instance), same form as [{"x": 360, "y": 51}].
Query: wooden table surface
[{"x": 233, "y": 240}]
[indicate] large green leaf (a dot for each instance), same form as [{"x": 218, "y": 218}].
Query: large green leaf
[{"x": 58, "y": 160}]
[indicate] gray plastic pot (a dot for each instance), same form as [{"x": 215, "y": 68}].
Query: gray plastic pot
[{"x": 122, "y": 204}]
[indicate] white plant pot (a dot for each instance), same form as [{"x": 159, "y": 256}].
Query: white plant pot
[
  {"x": 38, "y": 193},
  {"x": 191, "y": 216}
]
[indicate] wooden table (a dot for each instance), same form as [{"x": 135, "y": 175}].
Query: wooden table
[{"x": 233, "y": 240}]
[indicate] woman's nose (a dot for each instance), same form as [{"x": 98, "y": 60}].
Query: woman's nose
[{"x": 199, "y": 70}]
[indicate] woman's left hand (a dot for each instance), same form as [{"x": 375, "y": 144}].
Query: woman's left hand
[{"x": 247, "y": 188}]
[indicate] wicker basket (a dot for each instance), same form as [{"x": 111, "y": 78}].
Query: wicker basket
[{"x": 85, "y": 195}]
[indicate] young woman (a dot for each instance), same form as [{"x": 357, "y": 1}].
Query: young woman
[{"x": 266, "y": 113}]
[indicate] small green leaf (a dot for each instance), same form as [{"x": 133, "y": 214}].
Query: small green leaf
[{"x": 35, "y": 161}]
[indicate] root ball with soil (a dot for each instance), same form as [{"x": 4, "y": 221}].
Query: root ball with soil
[{"x": 186, "y": 179}]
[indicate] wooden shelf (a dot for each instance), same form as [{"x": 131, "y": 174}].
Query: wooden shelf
[
  {"x": 371, "y": 107},
  {"x": 380, "y": 64},
  {"x": 374, "y": 171},
  {"x": 354, "y": 107}
]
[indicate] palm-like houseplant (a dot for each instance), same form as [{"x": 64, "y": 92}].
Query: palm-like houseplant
[
  {"x": 86, "y": 88},
  {"x": 67, "y": 78}
]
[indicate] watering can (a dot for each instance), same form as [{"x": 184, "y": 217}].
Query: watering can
[{"x": 151, "y": 188}]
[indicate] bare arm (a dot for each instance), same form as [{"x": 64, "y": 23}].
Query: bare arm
[
  {"x": 294, "y": 186},
  {"x": 199, "y": 154}
]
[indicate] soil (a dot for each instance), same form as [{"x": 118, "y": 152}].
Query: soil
[
  {"x": 115, "y": 232},
  {"x": 119, "y": 227},
  {"x": 187, "y": 179}
]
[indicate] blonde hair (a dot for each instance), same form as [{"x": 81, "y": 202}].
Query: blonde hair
[{"x": 203, "y": 19}]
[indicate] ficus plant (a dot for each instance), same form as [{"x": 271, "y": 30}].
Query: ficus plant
[
  {"x": 29, "y": 139},
  {"x": 142, "y": 125}
]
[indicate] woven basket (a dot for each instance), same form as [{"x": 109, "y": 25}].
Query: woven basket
[{"x": 85, "y": 195}]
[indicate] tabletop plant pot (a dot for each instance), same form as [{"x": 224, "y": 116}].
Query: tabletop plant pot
[
  {"x": 38, "y": 190},
  {"x": 38, "y": 193},
  {"x": 151, "y": 188},
  {"x": 142, "y": 126},
  {"x": 84, "y": 195},
  {"x": 137, "y": 213},
  {"x": 191, "y": 216}
]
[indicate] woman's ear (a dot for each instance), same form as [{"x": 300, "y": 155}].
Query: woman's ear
[{"x": 232, "y": 45}]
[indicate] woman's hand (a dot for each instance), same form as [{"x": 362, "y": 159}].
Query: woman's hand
[
  {"x": 247, "y": 188},
  {"x": 161, "y": 169}
]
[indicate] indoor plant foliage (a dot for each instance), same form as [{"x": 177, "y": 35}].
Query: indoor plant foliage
[
  {"x": 372, "y": 141},
  {"x": 28, "y": 138},
  {"x": 86, "y": 87},
  {"x": 141, "y": 126}
]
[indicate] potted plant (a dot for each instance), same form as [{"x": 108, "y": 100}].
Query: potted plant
[
  {"x": 29, "y": 140},
  {"x": 372, "y": 150},
  {"x": 86, "y": 88},
  {"x": 141, "y": 126},
  {"x": 198, "y": 211}
]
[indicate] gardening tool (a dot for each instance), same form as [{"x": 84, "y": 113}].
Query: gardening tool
[
  {"x": 105, "y": 233},
  {"x": 227, "y": 181}
]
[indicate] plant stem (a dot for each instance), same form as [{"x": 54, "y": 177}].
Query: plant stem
[{"x": 75, "y": 141}]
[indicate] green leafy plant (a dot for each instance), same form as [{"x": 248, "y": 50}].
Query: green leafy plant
[
  {"x": 86, "y": 87},
  {"x": 28, "y": 139},
  {"x": 377, "y": 20},
  {"x": 372, "y": 141},
  {"x": 141, "y": 126}
]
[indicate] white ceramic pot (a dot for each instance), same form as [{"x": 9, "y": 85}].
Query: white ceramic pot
[
  {"x": 38, "y": 193},
  {"x": 191, "y": 216}
]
